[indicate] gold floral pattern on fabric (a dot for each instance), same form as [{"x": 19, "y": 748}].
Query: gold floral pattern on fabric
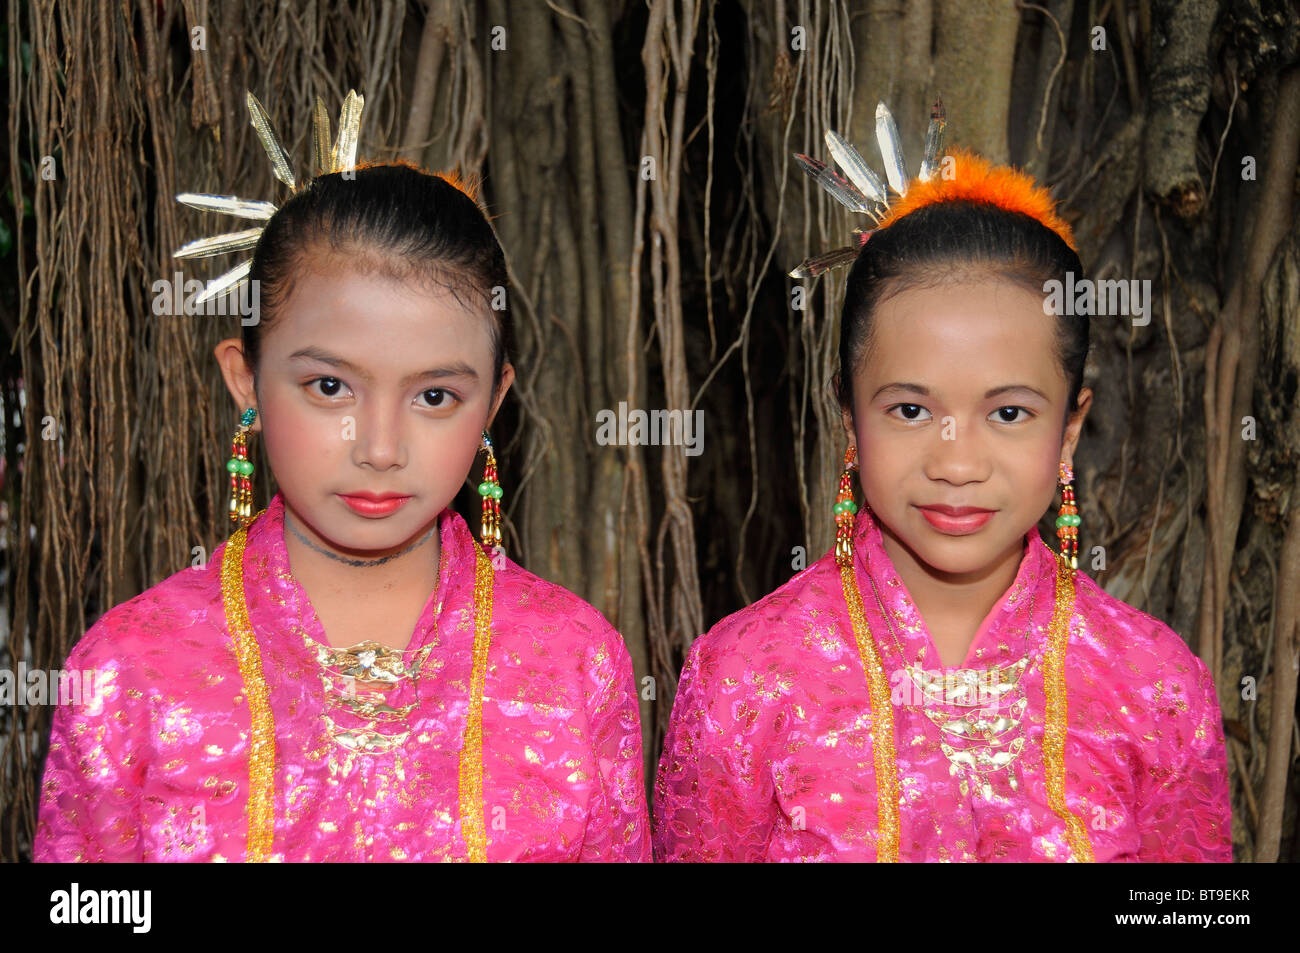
[
  {"x": 367, "y": 663},
  {"x": 985, "y": 734}
]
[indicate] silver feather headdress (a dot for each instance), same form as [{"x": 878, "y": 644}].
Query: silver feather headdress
[
  {"x": 326, "y": 158},
  {"x": 863, "y": 191}
]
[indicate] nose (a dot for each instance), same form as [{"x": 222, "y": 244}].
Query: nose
[
  {"x": 960, "y": 457},
  {"x": 380, "y": 440}
]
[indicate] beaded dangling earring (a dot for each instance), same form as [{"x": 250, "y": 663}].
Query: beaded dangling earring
[
  {"x": 490, "y": 490},
  {"x": 1067, "y": 523},
  {"x": 845, "y": 510},
  {"x": 240, "y": 469}
]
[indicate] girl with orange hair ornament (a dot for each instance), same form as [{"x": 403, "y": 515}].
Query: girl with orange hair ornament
[{"x": 942, "y": 685}]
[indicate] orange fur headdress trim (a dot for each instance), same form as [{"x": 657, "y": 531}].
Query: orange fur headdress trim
[
  {"x": 961, "y": 176},
  {"x": 469, "y": 185},
  {"x": 976, "y": 179}
]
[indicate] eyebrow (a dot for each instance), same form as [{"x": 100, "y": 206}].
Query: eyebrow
[
  {"x": 907, "y": 387},
  {"x": 454, "y": 369}
]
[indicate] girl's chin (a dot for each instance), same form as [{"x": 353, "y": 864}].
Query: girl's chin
[
  {"x": 948, "y": 555},
  {"x": 360, "y": 536},
  {"x": 963, "y": 555},
  {"x": 946, "y": 564}
]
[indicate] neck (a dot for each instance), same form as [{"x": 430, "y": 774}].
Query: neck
[
  {"x": 319, "y": 565},
  {"x": 953, "y": 604}
]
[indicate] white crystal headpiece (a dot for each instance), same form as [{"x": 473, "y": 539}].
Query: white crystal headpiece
[
  {"x": 326, "y": 158},
  {"x": 863, "y": 191}
]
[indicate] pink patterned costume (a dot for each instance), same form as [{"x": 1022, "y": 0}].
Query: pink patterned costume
[
  {"x": 162, "y": 770},
  {"x": 1094, "y": 737}
]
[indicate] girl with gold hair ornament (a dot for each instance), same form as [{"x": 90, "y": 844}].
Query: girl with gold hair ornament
[
  {"x": 941, "y": 685},
  {"x": 354, "y": 676}
]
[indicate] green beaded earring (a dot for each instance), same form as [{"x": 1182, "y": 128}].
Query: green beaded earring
[
  {"x": 240, "y": 469},
  {"x": 1067, "y": 523},
  {"x": 845, "y": 510}
]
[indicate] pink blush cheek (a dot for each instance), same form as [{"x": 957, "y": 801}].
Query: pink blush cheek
[
  {"x": 881, "y": 469},
  {"x": 1047, "y": 481},
  {"x": 445, "y": 462},
  {"x": 440, "y": 476},
  {"x": 303, "y": 450}
]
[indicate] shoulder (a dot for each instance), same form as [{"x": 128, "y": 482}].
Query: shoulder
[
  {"x": 1136, "y": 675},
  {"x": 161, "y": 644},
  {"x": 1123, "y": 635},
  {"x": 1138, "y": 669},
  {"x": 530, "y": 605},
  {"x": 161, "y": 622},
  {"x": 549, "y": 625},
  {"x": 536, "y": 603},
  {"x": 776, "y": 647},
  {"x": 781, "y": 622}
]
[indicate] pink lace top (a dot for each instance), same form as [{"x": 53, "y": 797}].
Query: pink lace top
[
  {"x": 775, "y": 752},
  {"x": 159, "y": 768}
]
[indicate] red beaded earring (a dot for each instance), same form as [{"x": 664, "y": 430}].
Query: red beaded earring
[
  {"x": 240, "y": 469},
  {"x": 1067, "y": 523},
  {"x": 490, "y": 490},
  {"x": 845, "y": 510}
]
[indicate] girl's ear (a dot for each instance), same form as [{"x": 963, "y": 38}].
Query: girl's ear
[
  {"x": 1074, "y": 426},
  {"x": 846, "y": 418},
  {"x": 846, "y": 413},
  {"x": 238, "y": 376},
  {"x": 507, "y": 378}
]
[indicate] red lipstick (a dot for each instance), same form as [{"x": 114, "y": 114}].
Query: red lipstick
[
  {"x": 374, "y": 504},
  {"x": 955, "y": 520}
]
